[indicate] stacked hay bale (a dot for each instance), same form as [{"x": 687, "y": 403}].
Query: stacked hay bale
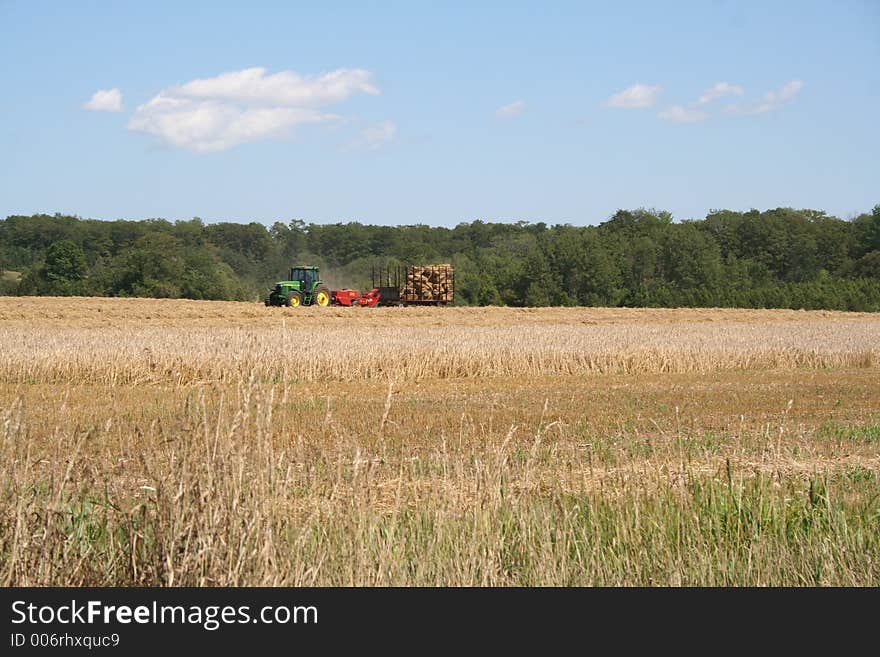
[{"x": 429, "y": 284}]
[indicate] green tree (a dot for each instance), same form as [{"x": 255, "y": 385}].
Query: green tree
[
  {"x": 691, "y": 260},
  {"x": 777, "y": 258},
  {"x": 64, "y": 269}
]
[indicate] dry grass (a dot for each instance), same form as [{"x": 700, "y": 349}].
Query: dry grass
[
  {"x": 198, "y": 443},
  {"x": 92, "y": 312},
  {"x": 149, "y": 341}
]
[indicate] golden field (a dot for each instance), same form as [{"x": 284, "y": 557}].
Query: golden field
[
  {"x": 134, "y": 341},
  {"x": 171, "y": 442}
]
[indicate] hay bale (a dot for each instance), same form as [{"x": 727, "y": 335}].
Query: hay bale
[{"x": 429, "y": 283}]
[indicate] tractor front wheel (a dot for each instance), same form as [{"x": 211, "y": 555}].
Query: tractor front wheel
[
  {"x": 294, "y": 299},
  {"x": 322, "y": 297}
]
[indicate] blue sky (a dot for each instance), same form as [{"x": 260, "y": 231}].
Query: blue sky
[{"x": 411, "y": 112}]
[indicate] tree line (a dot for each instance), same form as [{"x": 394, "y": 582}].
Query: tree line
[{"x": 779, "y": 258}]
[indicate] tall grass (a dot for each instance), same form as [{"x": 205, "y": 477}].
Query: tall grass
[
  {"x": 233, "y": 492},
  {"x": 187, "y": 443}
]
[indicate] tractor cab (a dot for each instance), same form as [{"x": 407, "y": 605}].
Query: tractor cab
[
  {"x": 307, "y": 277},
  {"x": 304, "y": 287}
]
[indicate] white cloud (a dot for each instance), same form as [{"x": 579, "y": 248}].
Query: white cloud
[
  {"x": 514, "y": 109},
  {"x": 374, "y": 136},
  {"x": 284, "y": 88},
  {"x": 772, "y": 100},
  {"x": 635, "y": 97},
  {"x": 105, "y": 100},
  {"x": 214, "y": 126},
  {"x": 243, "y": 106},
  {"x": 680, "y": 114},
  {"x": 719, "y": 90}
]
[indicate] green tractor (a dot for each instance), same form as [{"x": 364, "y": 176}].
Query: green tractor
[{"x": 304, "y": 288}]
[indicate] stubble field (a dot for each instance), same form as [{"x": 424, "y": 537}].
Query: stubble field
[{"x": 165, "y": 442}]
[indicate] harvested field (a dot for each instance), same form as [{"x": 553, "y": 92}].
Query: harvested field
[
  {"x": 152, "y": 341},
  {"x": 196, "y": 443},
  {"x": 90, "y": 312}
]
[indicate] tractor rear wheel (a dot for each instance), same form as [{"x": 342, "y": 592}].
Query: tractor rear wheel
[
  {"x": 294, "y": 299},
  {"x": 322, "y": 296}
]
